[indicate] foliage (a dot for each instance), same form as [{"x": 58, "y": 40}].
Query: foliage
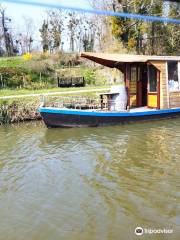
[
  {"x": 90, "y": 77},
  {"x": 11, "y": 77},
  {"x": 27, "y": 56},
  {"x": 173, "y": 31},
  {"x": 17, "y": 110},
  {"x": 147, "y": 37},
  {"x": 45, "y": 36},
  {"x": 11, "y": 62}
]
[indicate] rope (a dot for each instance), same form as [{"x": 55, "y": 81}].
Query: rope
[{"x": 97, "y": 12}]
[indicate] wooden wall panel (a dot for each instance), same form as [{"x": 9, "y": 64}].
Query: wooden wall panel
[
  {"x": 164, "y": 96},
  {"x": 174, "y": 98},
  {"x": 133, "y": 92}
]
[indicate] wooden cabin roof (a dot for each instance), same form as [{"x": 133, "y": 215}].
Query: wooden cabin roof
[{"x": 112, "y": 60}]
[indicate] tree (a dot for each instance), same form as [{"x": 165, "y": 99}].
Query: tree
[
  {"x": 129, "y": 31},
  {"x": 72, "y": 27},
  {"x": 103, "y": 37},
  {"x": 56, "y": 27},
  {"x": 45, "y": 36},
  {"x": 173, "y": 31},
  {"x": 24, "y": 40},
  {"x": 6, "y": 34},
  {"x": 146, "y": 37}
]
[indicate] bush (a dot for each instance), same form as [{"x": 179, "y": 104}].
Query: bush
[
  {"x": 29, "y": 79},
  {"x": 37, "y": 85},
  {"x": 90, "y": 77},
  {"x": 11, "y": 77},
  {"x": 15, "y": 81}
]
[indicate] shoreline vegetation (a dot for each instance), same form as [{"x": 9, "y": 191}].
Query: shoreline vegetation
[
  {"x": 25, "y": 108},
  {"x": 23, "y": 82},
  {"x": 28, "y": 66}
]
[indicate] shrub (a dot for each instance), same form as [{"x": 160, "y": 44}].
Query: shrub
[
  {"x": 15, "y": 81},
  {"x": 11, "y": 77},
  {"x": 90, "y": 77}
]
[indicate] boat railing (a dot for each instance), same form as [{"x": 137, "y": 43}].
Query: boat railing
[
  {"x": 70, "y": 102},
  {"x": 78, "y": 103}
]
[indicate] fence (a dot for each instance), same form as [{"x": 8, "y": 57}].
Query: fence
[
  {"x": 71, "y": 81},
  {"x": 71, "y": 102}
]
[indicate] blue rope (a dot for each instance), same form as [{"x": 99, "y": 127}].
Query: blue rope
[{"x": 98, "y": 12}]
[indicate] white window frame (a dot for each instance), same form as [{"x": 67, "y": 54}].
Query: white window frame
[{"x": 175, "y": 90}]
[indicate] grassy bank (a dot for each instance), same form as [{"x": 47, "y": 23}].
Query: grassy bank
[
  {"x": 42, "y": 70},
  {"x": 26, "y": 108},
  {"x": 19, "y": 79},
  {"x": 13, "y": 92}
]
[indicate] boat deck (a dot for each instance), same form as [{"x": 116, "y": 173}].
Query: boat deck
[
  {"x": 142, "y": 109},
  {"x": 132, "y": 110}
]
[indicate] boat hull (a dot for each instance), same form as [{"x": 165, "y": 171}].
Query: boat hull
[{"x": 54, "y": 118}]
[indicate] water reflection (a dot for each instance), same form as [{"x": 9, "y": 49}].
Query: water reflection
[{"x": 89, "y": 183}]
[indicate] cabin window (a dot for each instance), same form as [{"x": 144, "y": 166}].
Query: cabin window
[
  {"x": 133, "y": 74},
  {"x": 173, "y": 79},
  {"x": 152, "y": 79}
]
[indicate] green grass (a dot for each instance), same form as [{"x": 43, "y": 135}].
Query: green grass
[
  {"x": 11, "y": 92},
  {"x": 93, "y": 77},
  {"x": 35, "y": 101},
  {"x": 11, "y": 61}
]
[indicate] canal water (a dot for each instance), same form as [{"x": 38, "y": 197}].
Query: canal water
[{"x": 89, "y": 183}]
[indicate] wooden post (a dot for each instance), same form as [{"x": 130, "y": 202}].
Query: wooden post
[
  {"x": 1, "y": 77},
  {"x": 158, "y": 90},
  {"x": 127, "y": 81}
]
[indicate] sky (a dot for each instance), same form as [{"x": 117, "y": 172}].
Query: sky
[{"x": 16, "y": 12}]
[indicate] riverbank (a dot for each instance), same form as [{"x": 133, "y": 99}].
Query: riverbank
[
  {"x": 24, "y": 107},
  {"x": 18, "y": 110}
]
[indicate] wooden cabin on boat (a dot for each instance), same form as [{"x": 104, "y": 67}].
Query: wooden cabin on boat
[{"x": 151, "y": 81}]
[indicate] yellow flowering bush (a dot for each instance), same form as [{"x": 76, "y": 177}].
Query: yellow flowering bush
[{"x": 27, "y": 56}]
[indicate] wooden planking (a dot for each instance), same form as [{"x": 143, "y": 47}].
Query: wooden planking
[
  {"x": 133, "y": 93},
  {"x": 133, "y": 100},
  {"x": 168, "y": 99},
  {"x": 164, "y": 98},
  {"x": 133, "y": 87},
  {"x": 174, "y": 98}
]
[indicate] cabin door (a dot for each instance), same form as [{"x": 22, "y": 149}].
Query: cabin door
[
  {"x": 138, "y": 85},
  {"x": 142, "y": 85},
  {"x": 153, "y": 87},
  {"x": 133, "y": 86}
]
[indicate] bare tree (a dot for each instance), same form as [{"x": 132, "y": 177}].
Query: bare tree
[
  {"x": 103, "y": 36},
  {"x": 44, "y": 30},
  {"x": 56, "y": 27},
  {"x": 24, "y": 39},
  {"x": 72, "y": 28},
  {"x": 6, "y": 34}
]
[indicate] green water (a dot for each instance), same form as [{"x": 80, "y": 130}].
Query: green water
[{"x": 89, "y": 183}]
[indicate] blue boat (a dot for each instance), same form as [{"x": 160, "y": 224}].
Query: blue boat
[
  {"x": 151, "y": 91},
  {"x": 54, "y": 117}
]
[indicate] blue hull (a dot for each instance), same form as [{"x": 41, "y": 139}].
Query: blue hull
[{"x": 54, "y": 117}]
